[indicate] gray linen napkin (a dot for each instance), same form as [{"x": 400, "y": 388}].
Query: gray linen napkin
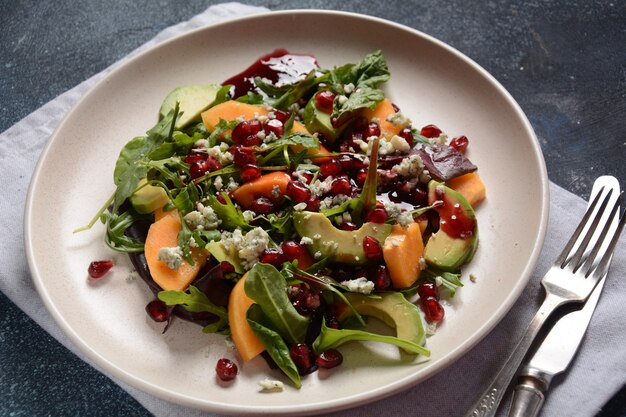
[{"x": 598, "y": 371}]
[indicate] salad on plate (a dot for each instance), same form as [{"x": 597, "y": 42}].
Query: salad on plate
[{"x": 288, "y": 205}]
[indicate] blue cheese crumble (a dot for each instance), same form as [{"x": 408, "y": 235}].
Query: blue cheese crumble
[
  {"x": 271, "y": 385},
  {"x": 248, "y": 247},
  {"x": 202, "y": 218},
  {"x": 172, "y": 256},
  {"x": 360, "y": 285}
]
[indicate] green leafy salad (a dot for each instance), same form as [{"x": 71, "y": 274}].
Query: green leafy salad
[{"x": 288, "y": 205}]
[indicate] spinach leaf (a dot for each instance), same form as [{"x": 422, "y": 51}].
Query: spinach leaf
[
  {"x": 331, "y": 338},
  {"x": 267, "y": 287},
  {"x": 273, "y": 342}
]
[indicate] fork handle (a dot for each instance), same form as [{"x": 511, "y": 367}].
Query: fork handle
[{"x": 488, "y": 402}]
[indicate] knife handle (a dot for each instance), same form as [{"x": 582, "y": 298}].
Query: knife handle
[{"x": 528, "y": 397}]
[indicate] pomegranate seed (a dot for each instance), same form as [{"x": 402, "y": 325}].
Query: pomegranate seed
[
  {"x": 274, "y": 126},
  {"x": 272, "y": 256},
  {"x": 227, "y": 267},
  {"x": 460, "y": 143},
  {"x": 329, "y": 358},
  {"x": 308, "y": 176},
  {"x": 293, "y": 250},
  {"x": 433, "y": 311},
  {"x": 361, "y": 176},
  {"x": 330, "y": 169},
  {"x": 302, "y": 357},
  {"x": 194, "y": 156},
  {"x": 157, "y": 310},
  {"x": 245, "y": 129},
  {"x": 380, "y": 277},
  {"x": 324, "y": 101},
  {"x": 221, "y": 199},
  {"x": 395, "y": 107},
  {"x": 249, "y": 172},
  {"x": 372, "y": 249},
  {"x": 97, "y": 269},
  {"x": 430, "y": 131},
  {"x": 407, "y": 135},
  {"x": 333, "y": 323},
  {"x": 198, "y": 169},
  {"x": 304, "y": 299},
  {"x": 313, "y": 203},
  {"x": 372, "y": 129},
  {"x": 226, "y": 369},
  {"x": 298, "y": 192},
  {"x": 282, "y": 115},
  {"x": 351, "y": 162},
  {"x": 262, "y": 205},
  {"x": 349, "y": 226},
  {"x": 243, "y": 156},
  {"x": 341, "y": 185},
  {"x": 428, "y": 289},
  {"x": 252, "y": 140},
  {"x": 213, "y": 164},
  {"x": 378, "y": 215}
]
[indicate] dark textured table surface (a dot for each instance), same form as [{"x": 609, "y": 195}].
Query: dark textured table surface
[{"x": 563, "y": 61}]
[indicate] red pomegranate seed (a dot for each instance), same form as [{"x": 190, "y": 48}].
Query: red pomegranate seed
[
  {"x": 302, "y": 357},
  {"x": 213, "y": 164},
  {"x": 97, "y": 269},
  {"x": 249, "y": 172},
  {"x": 433, "y": 311},
  {"x": 227, "y": 267},
  {"x": 307, "y": 176},
  {"x": 245, "y": 129},
  {"x": 378, "y": 215},
  {"x": 274, "y": 126},
  {"x": 430, "y": 131},
  {"x": 157, "y": 310},
  {"x": 372, "y": 129},
  {"x": 198, "y": 169},
  {"x": 330, "y": 169},
  {"x": 460, "y": 143},
  {"x": 298, "y": 192},
  {"x": 243, "y": 156},
  {"x": 262, "y": 205},
  {"x": 381, "y": 278},
  {"x": 351, "y": 162},
  {"x": 304, "y": 299},
  {"x": 428, "y": 289},
  {"x": 293, "y": 250},
  {"x": 194, "y": 156},
  {"x": 407, "y": 135},
  {"x": 272, "y": 256},
  {"x": 361, "y": 176},
  {"x": 395, "y": 107},
  {"x": 341, "y": 185},
  {"x": 349, "y": 226},
  {"x": 226, "y": 369},
  {"x": 329, "y": 358},
  {"x": 313, "y": 203},
  {"x": 324, "y": 101},
  {"x": 282, "y": 115},
  {"x": 372, "y": 249},
  {"x": 252, "y": 140}
]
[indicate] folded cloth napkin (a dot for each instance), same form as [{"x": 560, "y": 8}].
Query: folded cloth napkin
[{"x": 598, "y": 371}]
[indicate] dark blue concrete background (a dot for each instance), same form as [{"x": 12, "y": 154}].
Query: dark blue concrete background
[{"x": 563, "y": 61}]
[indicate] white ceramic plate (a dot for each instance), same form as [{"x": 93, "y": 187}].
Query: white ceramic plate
[{"x": 431, "y": 82}]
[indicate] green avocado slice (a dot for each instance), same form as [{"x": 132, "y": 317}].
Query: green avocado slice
[{"x": 192, "y": 99}]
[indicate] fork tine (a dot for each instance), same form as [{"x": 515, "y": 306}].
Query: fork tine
[
  {"x": 562, "y": 258},
  {"x": 588, "y": 264},
  {"x": 603, "y": 266}
]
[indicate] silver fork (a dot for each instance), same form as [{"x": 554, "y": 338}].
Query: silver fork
[{"x": 573, "y": 276}]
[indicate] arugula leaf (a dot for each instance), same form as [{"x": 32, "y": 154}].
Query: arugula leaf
[
  {"x": 231, "y": 216},
  {"x": 301, "y": 89},
  {"x": 273, "y": 342},
  {"x": 332, "y": 338},
  {"x": 266, "y": 286},
  {"x": 116, "y": 225},
  {"x": 196, "y": 301},
  {"x": 306, "y": 141}
]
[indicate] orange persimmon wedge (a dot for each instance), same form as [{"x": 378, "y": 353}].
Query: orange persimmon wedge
[
  {"x": 164, "y": 233},
  {"x": 248, "y": 345},
  {"x": 402, "y": 251},
  {"x": 469, "y": 186},
  {"x": 383, "y": 110},
  {"x": 262, "y": 187}
]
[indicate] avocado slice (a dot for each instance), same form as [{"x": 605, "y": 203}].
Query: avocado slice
[
  {"x": 316, "y": 120},
  {"x": 392, "y": 309},
  {"x": 339, "y": 245},
  {"x": 457, "y": 238},
  {"x": 148, "y": 198},
  {"x": 192, "y": 99}
]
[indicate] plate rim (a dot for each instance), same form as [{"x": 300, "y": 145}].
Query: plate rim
[{"x": 111, "y": 369}]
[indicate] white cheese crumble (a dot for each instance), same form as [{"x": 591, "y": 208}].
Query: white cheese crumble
[
  {"x": 300, "y": 207},
  {"x": 405, "y": 218},
  {"x": 319, "y": 188},
  {"x": 348, "y": 88},
  {"x": 248, "y": 247},
  {"x": 342, "y": 99},
  {"x": 360, "y": 285},
  {"x": 172, "y": 256},
  {"x": 398, "y": 119},
  {"x": 411, "y": 166},
  {"x": 221, "y": 154},
  {"x": 202, "y": 218},
  {"x": 248, "y": 215},
  {"x": 400, "y": 144},
  {"x": 232, "y": 185},
  {"x": 218, "y": 183},
  {"x": 306, "y": 241},
  {"x": 270, "y": 385},
  {"x": 276, "y": 192}
]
